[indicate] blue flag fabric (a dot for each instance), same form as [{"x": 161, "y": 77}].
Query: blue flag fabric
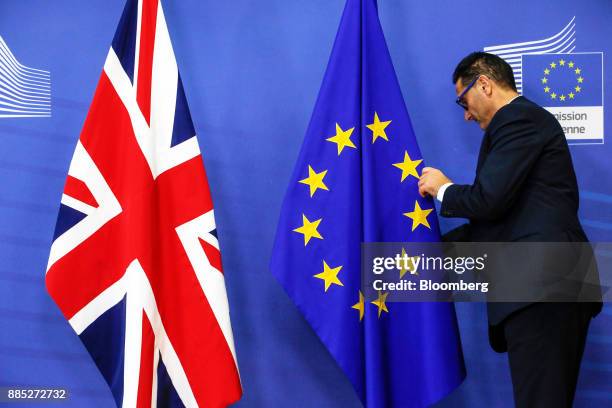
[{"x": 356, "y": 181}]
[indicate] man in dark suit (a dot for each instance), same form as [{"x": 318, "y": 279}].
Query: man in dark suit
[{"x": 525, "y": 190}]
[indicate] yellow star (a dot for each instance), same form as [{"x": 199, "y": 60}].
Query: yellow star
[
  {"x": 546, "y": 89},
  {"x": 553, "y": 95},
  {"x": 553, "y": 65},
  {"x": 546, "y": 71},
  {"x": 411, "y": 267},
  {"x": 562, "y": 62},
  {"x": 571, "y": 95},
  {"x": 580, "y": 79},
  {"x": 577, "y": 71},
  {"x": 378, "y": 128},
  {"x": 408, "y": 166},
  {"x": 578, "y": 89},
  {"x": 571, "y": 64},
  {"x": 309, "y": 229},
  {"x": 544, "y": 80},
  {"x": 342, "y": 138},
  {"x": 329, "y": 275},
  {"x": 562, "y": 98},
  {"x": 360, "y": 306},
  {"x": 380, "y": 303},
  {"x": 419, "y": 216},
  {"x": 315, "y": 180}
]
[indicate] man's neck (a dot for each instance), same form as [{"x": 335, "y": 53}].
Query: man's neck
[
  {"x": 504, "y": 98},
  {"x": 511, "y": 99}
]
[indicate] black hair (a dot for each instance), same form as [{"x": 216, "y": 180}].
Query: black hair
[{"x": 483, "y": 63}]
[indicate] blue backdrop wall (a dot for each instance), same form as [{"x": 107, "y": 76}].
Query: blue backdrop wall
[{"x": 251, "y": 71}]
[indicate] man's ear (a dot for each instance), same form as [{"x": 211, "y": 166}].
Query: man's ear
[{"x": 485, "y": 84}]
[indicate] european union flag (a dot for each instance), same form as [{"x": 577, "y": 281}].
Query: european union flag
[
  {"x": 564, "y": 79},
  {"x": 356, "y": 181}
]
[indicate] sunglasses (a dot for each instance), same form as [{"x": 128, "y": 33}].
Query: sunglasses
[{"x": 460, "y": 101}]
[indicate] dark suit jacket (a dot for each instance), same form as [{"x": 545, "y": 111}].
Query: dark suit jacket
[{"x": 525, "y": 188}]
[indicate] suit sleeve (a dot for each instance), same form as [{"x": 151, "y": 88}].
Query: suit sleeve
[
  {"x": 460, "y": 234},
  {"x": 515, "y": 147}
]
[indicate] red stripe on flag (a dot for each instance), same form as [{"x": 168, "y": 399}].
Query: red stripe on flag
[
  {"x": 148, "y": 22},
  {"x": 184, "y": 188},
  {"x": 192, "y": 327},
  {"x": 75, "y": 188},
  {"x": 213, "y": 255}
]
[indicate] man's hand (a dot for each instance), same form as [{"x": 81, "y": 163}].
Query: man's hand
[{"x": 431, "y": 180}]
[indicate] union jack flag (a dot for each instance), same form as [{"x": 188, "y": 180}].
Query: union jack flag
[{"x": 135, "y": 265}]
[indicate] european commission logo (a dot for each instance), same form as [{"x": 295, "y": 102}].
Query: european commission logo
[
  {"x": 568, "y": 84},
  {"x": 24, "y": 91}
]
